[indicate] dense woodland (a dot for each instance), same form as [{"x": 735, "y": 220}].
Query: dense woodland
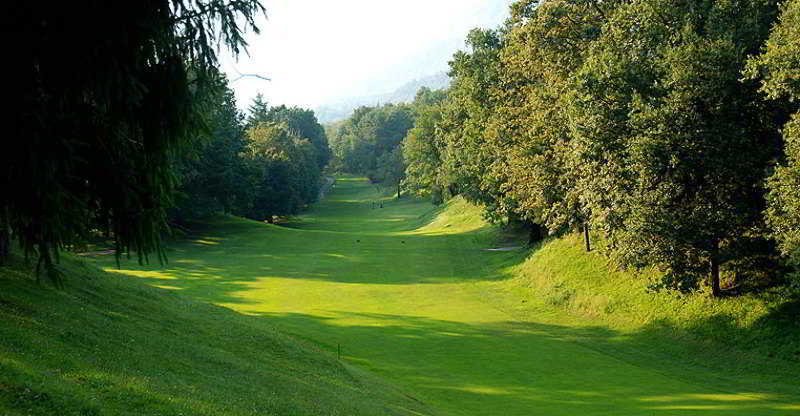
[
  {"x": 666, "y": 131},
  {"x": 263, "y": 166}
]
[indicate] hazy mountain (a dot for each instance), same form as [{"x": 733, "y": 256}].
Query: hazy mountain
[{"x": 405, "y": 93}]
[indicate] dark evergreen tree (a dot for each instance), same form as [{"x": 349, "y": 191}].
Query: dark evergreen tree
[
  {"x": 214, "y": 176},
  {"x": 106, "y": 94}
]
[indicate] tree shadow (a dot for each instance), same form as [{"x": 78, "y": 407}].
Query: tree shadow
[
  {"x": 219, "y": 262},
  {"x": 533, "y": 368},
  {"x": 781, "y": 326},
  {"x": 115, "y": 346}
]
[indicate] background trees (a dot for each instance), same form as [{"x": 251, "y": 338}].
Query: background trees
[
  {"x": 657, "y": 123},
  {"x": 366, "y": 141},
  {"x": 286, "y": 150},
  {"x": 213, "y": 176},
  {"x": 267, "y": 165}
]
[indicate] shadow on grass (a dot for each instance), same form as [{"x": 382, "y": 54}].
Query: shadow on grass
[
  {"x": 514, "y": 368},
  {"x": 104, "y": 346},
  {"x": 502, "y": 368},
  {"x": 216, "y": 264},
  {"x": 780, "y": 326}
]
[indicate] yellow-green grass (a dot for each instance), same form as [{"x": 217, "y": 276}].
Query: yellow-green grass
[
  {"x": 108, "y": 344},
  {"x": 560, "y": 273},
  {"x": 409, "y": 293}
]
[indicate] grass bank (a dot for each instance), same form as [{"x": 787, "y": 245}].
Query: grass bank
[
  {"x": 409, "y": 292},
  {"x": 108, "y": 344},
  {"x": 562, "y": 274}
]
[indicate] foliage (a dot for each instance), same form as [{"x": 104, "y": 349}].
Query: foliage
[
  {"x": 690, "y": 142},
  {"x": 269, "y": 165},
  {"x": 546, "y": 46},
  {"x": 213, "y": 176},
  {"x": 777, "y": 68},
  {"x": 467, "y": 163},
  {"x": 632, "y": 117},
  {"x": 369, "y": 134},
  {"x": 303, "y": 123},
  {"x": 106, "y": 95},
  {"x": 289, "y": 176},
  {"x": 420, "y": 146}
]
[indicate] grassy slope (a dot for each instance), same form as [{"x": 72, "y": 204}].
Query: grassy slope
[
  {"x": 110, "y": 344},
  {"x": 407, "y": 292},
  {"x": 562, "y": 274}
]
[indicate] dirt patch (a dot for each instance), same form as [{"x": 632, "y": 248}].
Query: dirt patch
[
  {"x": 504, "y": 248},
  {"x": 96, "y": 253},
  {"x": 329, "y": 181}
]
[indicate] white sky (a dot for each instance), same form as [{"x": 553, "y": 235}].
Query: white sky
[{"x": 321, "y": 51}]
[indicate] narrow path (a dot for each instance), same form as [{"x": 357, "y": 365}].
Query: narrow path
[
  {"x": 420, "y": 305},
  {"x": 325, "y": 187}
]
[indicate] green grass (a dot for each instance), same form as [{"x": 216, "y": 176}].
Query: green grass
[
  {"x": 110, "y": 345},
  {"x": 765, "y": 325},
  {"x": 409, "y": 295}
]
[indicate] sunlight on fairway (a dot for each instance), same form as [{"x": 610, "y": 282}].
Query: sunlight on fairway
[
  {"x": 717, "y": 397},
  {"x": 165, "y": 275},
  {"x": 206, "y": 242},
  {"x": 408, "y": 292},
  {"x": 483, "y": 390},
  {"x": 168, "y": 287}
]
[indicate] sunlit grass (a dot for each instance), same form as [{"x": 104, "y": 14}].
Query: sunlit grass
[{"x": 407, "y": 291}]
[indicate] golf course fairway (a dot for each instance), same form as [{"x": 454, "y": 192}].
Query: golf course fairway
[{"x": 410, "y": 293}]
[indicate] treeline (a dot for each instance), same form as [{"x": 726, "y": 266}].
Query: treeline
[
  {"x": 666, "y": 129},
  {"x": 260, "y": 167},
  {"x": 370, "y": 142}
]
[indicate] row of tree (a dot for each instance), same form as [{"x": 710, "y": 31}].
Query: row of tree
[
  {"x": 370, "y": 141},
  {"x": 669, "y": 128},
  {"x": 267, "y": 165}
]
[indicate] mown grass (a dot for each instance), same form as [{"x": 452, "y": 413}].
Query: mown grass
[
  {"x": 112, "y": 345},
  {"x": 408, "y": 292}
]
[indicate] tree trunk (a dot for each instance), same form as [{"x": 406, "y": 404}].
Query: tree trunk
[
  {"x": 398, "y": 191},
  {"x": 5, "y": 245},
  {"x": 536, "y": 233},
  {"x": 715, "y": 289},
  {"x": 586, "y": 236}
]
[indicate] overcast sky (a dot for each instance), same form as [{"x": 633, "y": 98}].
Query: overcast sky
[{"x": 321, "y": 51}]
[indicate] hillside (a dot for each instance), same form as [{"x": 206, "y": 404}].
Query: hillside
[
  {"x": 405, "y": 93},
  {"x": 108, "y": 344},
  {"x": 759, "y": 325}
]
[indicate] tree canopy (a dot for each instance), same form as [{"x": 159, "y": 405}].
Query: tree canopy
[{"x": 655, "y": 124}]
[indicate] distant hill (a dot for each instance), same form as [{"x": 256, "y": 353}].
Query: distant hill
[{"x": 341, "y": 110}]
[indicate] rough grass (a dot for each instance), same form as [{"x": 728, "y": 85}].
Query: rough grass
[
  {"x": 408, "y": 292},
  {"x": 112, "y": 345},
  {"x": 763, "y": 326}
]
